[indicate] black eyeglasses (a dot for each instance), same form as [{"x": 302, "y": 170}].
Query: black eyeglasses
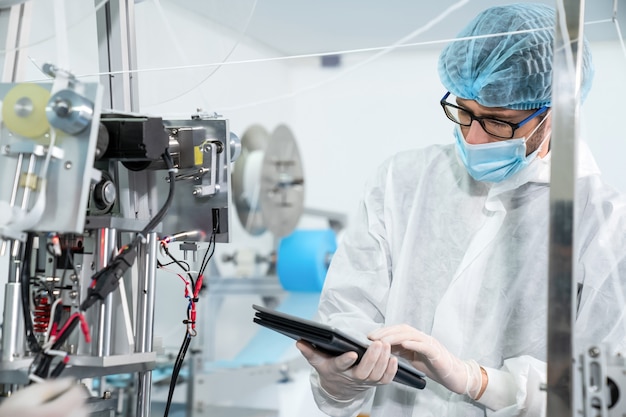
[{"x": 498, "y": 128}]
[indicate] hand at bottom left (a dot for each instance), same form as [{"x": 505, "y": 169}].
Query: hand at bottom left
[{"x": 51, "y": 398}]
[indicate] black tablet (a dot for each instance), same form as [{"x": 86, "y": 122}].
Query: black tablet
[{"x": 329, "y": 340}]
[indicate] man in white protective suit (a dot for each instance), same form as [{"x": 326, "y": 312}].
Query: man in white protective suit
[{"x": 446, "y": 262}]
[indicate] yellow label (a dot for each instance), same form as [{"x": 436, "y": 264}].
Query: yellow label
[{"x": 198, "y": 157}]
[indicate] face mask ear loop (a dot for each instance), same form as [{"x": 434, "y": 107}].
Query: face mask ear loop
[
  {"x": 543, "y": 142},
  {"x": 548, "y": 133},
  {"x": 537, "y": 128}
]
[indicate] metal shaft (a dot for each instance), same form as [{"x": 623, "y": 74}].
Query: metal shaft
[
  {"x": 14, "y": 37},
  {"x": 145, "y": 321}
]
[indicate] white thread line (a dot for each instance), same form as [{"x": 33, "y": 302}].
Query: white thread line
[
  {"x": 402, "y": 43},
  {"x": 218, "y": 66},
  {"x": 386, "y": 50},
  {"x": 320, "y": 54},
  {"x": 4, "y": 51},
  {"x": 619, "y": 36}
]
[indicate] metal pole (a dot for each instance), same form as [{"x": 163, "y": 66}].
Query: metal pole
[
  {"x": 16, "y": 35},
  {"x": 13, "y": 323},
  {"x": 117, "y": 50},
  {"x": 145, "y": 321},
  {"x": 106, "y": 248},
  {"x": 561, "y": 288}
]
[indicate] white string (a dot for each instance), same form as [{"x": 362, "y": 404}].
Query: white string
[
  {"x": 172, "y": 35},
  {"x": 282, "y": 58},
  {"x": 218, "y": 66},
  {"x": 47, "y": 38},
  {"x": 619, "y": 36},
  {"x": 320, "y": 54},
  {"x": 312, "y": 55},
  {"x": 382, "y": 50},
  {"x": 570, "y": 62},
  {"x": 374, "y": 57}
]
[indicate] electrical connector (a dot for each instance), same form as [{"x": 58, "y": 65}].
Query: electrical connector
[{"x": 105, "y": 281}]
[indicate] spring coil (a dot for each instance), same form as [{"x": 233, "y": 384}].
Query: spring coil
[{"x": 41, "y": 315}]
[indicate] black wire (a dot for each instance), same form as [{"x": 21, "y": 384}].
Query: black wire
[
  {"x": 184, "y": 267},
  {"x": 50, "y": 250},
  {"x": 70, "y": 261},
  {"x": 177, "y": 262},
  {"x": 29, "y": 329},
  {"x": 176, "y": 370},
  {"x": 154, "y": 222},
  {"x": 207, "y": 256},
  {"x": 161, "y": 265},
  {"x": 43, "y": 368},
  {"x": 126, "y": 258},
  {"x": 57, "y": 369},
  {"x": 183, "y": 349}
]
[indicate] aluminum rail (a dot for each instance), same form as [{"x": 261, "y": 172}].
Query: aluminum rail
[{"x": 117, "y": 52}]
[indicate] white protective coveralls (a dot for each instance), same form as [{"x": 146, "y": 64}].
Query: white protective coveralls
[{"x": 467, "y": 262}]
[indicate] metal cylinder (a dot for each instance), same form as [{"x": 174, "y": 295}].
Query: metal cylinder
[
  {"x": 12, "y": 324},
  {"x": 145, "y": 320},
  {"x": 106, "y": 246}
]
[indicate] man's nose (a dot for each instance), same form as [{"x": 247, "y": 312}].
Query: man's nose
[{"x": 475, "y": 134}]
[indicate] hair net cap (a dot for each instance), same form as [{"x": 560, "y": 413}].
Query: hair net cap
[{"x": 513, "y": 70}]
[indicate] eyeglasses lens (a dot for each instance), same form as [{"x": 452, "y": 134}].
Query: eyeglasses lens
[{"x": 492, "y": 126}]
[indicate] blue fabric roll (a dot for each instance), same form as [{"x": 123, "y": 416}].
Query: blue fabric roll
[{"x": 303, "y": 259}]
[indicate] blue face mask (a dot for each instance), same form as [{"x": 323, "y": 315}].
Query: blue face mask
[{"x": 493, "y": 161}]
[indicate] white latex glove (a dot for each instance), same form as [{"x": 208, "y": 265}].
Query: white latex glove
[
  {"x": 52, "y": 398},
  {"x": 341, "y": 380},
  {"x": 425, "y": 353}
]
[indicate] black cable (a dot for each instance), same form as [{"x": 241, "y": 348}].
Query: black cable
[
  {"x": 50, "y": 250},
  {"x": 162, "y": 265},
  {"x": 167, "y": 158},
  {"x": 106, "y": 280},
  {"x": 177, "y": 262},
  {"x": 176, "y": 370},
  {"x": 29, "y": 329},
  {"x": 207, "y": 256},
  {"x": 185, "y": 267},
  {"x": 183, "y": 349},
  {"x": 56, "y": 372},
  {"x": 43, "y": 367},
  {"x": 69, "y": 262}
]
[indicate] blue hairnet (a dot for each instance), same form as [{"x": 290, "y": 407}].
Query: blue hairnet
[{"x": 512, "y": 71}]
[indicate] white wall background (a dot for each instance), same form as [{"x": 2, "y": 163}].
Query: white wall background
[{"x": 346, "y": 119}]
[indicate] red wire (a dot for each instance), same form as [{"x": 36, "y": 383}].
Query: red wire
[
  {"x": 198, "y": 286},
  {"x": 83, "y": 325}
]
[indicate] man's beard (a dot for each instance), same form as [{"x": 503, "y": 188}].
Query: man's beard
[{"x": 537, "y": 138}]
